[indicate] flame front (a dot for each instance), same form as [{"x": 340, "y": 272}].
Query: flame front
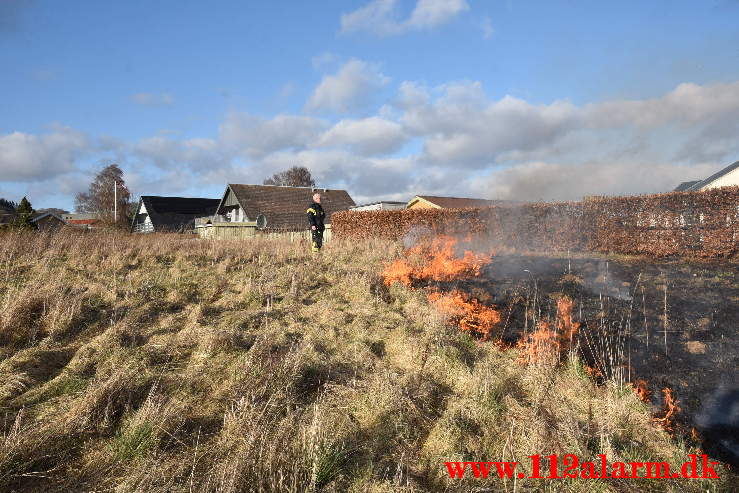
[{"x": 435, "y": 260}]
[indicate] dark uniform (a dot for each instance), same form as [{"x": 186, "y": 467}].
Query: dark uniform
[{"x": 315, "y": 218}]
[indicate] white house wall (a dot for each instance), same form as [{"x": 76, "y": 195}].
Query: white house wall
[{"x": 729, "y": 179}]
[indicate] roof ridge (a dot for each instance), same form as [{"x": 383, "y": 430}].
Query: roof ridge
[{"x": 715, "y": 176}]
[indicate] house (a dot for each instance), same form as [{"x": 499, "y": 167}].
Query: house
[
  {"x": 434, "y": 202},
  {"x": 729, "y": 176},
  {"x": 173, "y": 214},
  {"x": 47, "y": 221},
  {"x": 384, "y": 205},
  {"x": 277, "y": 207},
  {"x": 43, "y": 221},
  {"x": 81, "y": 220},
  {"x": 6, "y": 219}
]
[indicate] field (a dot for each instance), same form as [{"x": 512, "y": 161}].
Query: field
[{"x": 163, "y": 363}]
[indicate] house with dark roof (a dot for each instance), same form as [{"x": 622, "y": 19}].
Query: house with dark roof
[
  {"x": 436, "y": 202},
  {"x": 170, "y": 214},
  {"x": 729, "y": 176},
  {"x": 277, "y": 207},
  {"x": 6, "y": 218},
  {"x": 47, "y": 221},
  {"x": 42, "y": 221}
]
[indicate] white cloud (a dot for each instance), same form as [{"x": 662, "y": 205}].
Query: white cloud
[
  {"x": 447, "y": 140},
  {"x": 325, "y": 58},
  {"x": 352, "y": 87},
  {"x": 255, "y": 137},
  {"x": 27, "y": 157},
  {"x": 369, "y": 136},
  {"x": 381, "y": 16},
  {"x": 432, "y": 13},
  {"x": 463, "y": 127},
  {"x": 153, "y": 100},
  {"x": 167, "y": 153},
  {"x": 487, "y": 28}
]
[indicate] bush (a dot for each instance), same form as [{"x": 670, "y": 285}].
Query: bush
[{"x": 699, "y": 224}]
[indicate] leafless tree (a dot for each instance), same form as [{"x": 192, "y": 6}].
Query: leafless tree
[
  {"x": 107, "y": 188},
  {"x": 297, "y": 176}
]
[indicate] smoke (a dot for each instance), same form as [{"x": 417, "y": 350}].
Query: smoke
[{"x": 719, "y": 419}]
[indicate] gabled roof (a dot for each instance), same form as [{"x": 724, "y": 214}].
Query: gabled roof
[
  {"x": 176, "y": 213},
  {"x": 38, "y": 217},
  {"x": 285, "y": 207},
  {"x": 685, "y": 186},
  {"x": 716, "y": 176},
  {"x": 702, "y": 183},
  {"x": 452, "y": 202}
]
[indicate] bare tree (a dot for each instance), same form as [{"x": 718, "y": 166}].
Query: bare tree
[
  {"x": 106, "y": 194},
  {"x": 297, "y": 176}
]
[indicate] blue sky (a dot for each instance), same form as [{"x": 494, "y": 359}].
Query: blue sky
[{"x": 387, "y": 98}]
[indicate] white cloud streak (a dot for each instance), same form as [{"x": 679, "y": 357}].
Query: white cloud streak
[
  {"x": 380, "y": 17},
  {"x": 153, "y": 100},
  {"x": 352, "y": 88}
]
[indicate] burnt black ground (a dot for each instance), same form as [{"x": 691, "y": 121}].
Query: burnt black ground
[{"x": 621, "y": 303}]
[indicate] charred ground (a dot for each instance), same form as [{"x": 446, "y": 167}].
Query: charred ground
[{"x": 622, "y": 303}]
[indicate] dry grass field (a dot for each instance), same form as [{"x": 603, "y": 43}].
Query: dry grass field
[{"x": 170, "y": 364}]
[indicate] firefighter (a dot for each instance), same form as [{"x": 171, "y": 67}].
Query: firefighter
[{"x": 315, "y": 219}]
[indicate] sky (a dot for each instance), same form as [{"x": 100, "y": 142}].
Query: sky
[{"x": 501, "y": 99}]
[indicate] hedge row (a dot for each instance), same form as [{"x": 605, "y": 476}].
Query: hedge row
[{"x": 702, "y": 224}]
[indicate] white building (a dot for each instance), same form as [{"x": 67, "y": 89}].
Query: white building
[
  {"x": 729, "y": 176},
  {"x": 384, "y": 205}
]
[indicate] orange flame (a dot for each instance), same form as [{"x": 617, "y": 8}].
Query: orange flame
[
  {"x": 641, "y": 389},
  {"x": 471, "y": 315},
  {"x": 546, "y": 342},
  {"x": 670, "y": 411},
  {"x": 435, "y": 260}
]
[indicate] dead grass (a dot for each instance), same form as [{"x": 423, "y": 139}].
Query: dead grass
[{"x": 165, "y": 363}]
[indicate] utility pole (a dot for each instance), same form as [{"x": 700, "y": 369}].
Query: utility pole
[{"x": 115, "y": 201}]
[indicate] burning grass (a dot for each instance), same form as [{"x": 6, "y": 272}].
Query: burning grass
[
  {"x": 163, "y": 363},
  {"x": 435, "y": 259}
]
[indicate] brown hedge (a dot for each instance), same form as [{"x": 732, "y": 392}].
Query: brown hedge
[{"x": 700, "y": 224}]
